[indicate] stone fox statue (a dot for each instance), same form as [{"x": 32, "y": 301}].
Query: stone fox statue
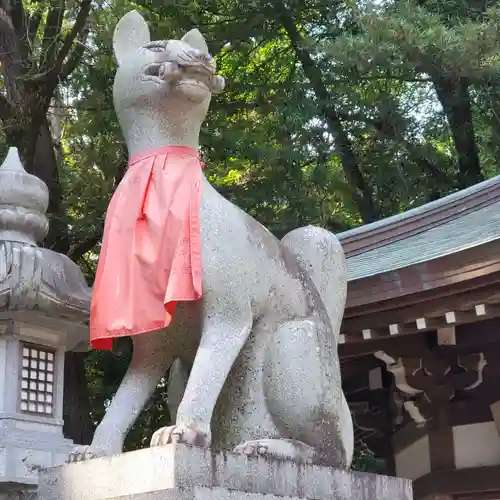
[{"x": 257, "y": 319}]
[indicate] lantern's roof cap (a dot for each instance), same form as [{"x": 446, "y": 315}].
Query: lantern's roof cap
[{"x": 36, "y": 281}]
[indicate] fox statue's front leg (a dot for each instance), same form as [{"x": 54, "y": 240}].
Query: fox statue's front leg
[
  {"x": 227, "y": 323},
  {"x": 151, "y": 358}
]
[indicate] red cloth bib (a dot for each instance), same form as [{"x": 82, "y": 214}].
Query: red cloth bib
[{"x": 151, "y": 252}]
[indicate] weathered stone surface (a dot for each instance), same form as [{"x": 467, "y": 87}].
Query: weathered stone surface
[
  {"x": 264, "y": 373},
  {"x": 178, "y": 471}
]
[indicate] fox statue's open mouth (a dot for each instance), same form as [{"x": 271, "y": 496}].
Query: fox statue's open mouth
[{"x": 196, "y": 74}]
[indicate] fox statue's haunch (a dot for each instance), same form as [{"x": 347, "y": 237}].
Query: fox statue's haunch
[{"x": 261, "y": 342}]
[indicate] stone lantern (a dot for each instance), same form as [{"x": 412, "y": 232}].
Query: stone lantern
[{"x": 44, "y": 306}]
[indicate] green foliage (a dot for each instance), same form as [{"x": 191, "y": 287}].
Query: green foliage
[
  {"x": 365, "y": 461},
  {"x": 331, "y": 107}
]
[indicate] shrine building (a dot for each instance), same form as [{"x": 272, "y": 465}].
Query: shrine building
[{"x": 420, "y": 343}]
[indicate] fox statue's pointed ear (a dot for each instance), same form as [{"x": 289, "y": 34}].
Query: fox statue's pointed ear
[
  {"x": 131, "y": 32},
  {"x": 196, "y": 40}
]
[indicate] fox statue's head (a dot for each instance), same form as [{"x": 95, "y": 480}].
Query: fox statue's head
[{"x": 164, "y": 84}]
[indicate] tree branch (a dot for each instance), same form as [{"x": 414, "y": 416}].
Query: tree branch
[
  {"x": 51, "y": 32},
  {"x": 47, "y": 82},
  {"x": 75, "y": 58},
  {"x": 384, "y": 129},
  {"x": 362, "y": 192},
  {"x": 33, "y": 25},
  {"x": 385, "y": 76},
  {"x": 78, "y": 27},
  {"x": 78, "y": 250}
]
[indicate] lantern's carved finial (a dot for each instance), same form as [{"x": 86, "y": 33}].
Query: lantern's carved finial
[
  {"x": 35, "y": 279},
  {"x": 24, "y": 199}
]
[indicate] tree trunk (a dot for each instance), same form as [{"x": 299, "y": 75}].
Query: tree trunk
[
  {"x": 23, "y": 112},
  {"x": 361, "y": 191},
  {"x": 77, "y": 423},
  {"x": 453, "y": 94},
  {"x": 418, "y": 153},
  {"x": 494, "y": 101}
]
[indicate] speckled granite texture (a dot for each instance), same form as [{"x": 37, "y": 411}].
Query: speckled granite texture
[{"x": 180, "y": 472}]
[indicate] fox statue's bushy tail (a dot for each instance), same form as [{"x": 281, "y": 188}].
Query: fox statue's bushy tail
[
  {"x": 314, "y": 383},
  {"x": 320, "y": 253}
]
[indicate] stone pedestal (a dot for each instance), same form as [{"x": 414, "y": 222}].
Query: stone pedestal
[{"x": 179, "y": 472}]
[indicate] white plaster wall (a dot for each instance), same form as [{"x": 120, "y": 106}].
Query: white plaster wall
[
  {"x": 476, "y": 445},
  {"x": 414, "y": 461},
  {"x": 3, "y": 375}
]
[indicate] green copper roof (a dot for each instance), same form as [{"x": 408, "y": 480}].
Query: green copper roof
[{"x": 455, "y": 234}]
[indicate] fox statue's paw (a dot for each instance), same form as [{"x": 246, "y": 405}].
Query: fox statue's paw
[
  {"x": 84, "y": 453},
  {"x": 187, "y": 434},
  {"x": 283, "y": 449}
]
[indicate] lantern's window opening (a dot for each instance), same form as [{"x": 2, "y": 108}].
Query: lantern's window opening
[{"x": 37, "y": 380}]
